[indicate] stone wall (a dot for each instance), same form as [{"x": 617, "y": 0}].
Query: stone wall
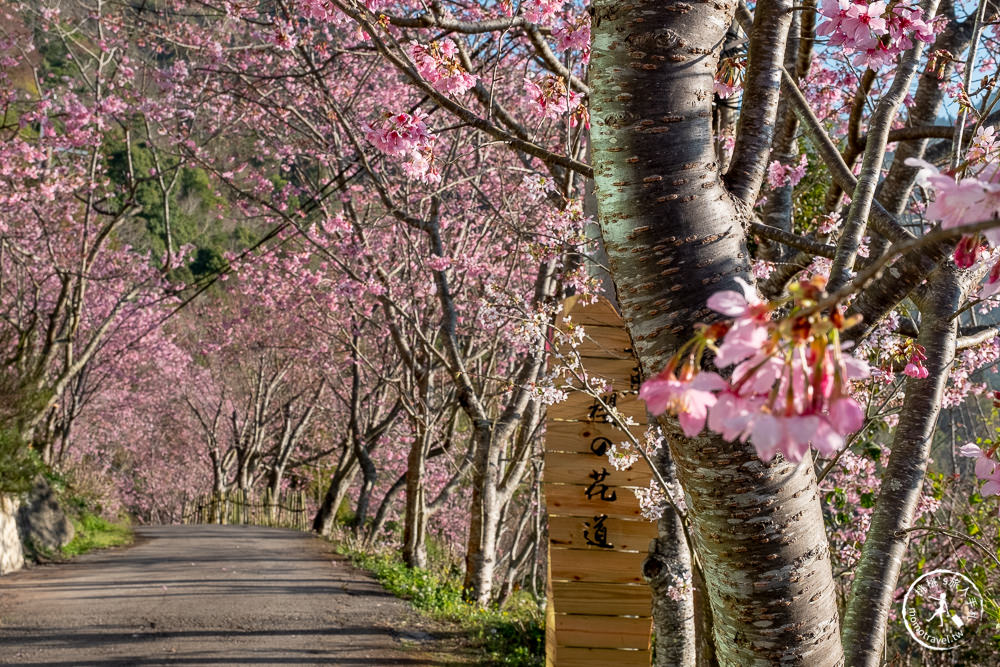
[{"x": 11, "y": 553}]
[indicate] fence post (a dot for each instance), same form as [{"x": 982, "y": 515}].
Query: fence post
[{"x": 302, "y": 511}]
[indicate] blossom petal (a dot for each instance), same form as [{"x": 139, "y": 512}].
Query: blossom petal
[
  {"x": 970, "y": 449},
  {"x": 728, "y": 302}
]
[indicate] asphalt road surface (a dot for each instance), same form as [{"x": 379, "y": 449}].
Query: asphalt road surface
[{"x": 211, "y": 595}]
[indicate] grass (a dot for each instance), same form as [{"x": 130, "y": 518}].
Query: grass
[
  {"x": 94, "y": 532},
  {"x": 513, "y": 635}
]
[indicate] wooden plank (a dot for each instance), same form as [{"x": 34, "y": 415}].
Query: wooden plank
[
  {"x": 586, "y": 469},
  {"x": 573, "y": 656},
  {"x": 602, "y": 343},
  {"x": 578, "y": 406},
  {"x": 582, "y": 597},
  {"x": 584, "y": 437},
  {"x": 608, "y": 567},
  {"x": 601, "y": 632},
  {"x": 623, "y": 374},
  {"x": 600, "y": 313},
  {"x": 571, "y": 500},
  {"x": 582, "y": 532},
  {"x": 550, "y": 616}
]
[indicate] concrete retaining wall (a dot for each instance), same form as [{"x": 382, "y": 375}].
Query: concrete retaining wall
[{"x": 11, "y": 553}]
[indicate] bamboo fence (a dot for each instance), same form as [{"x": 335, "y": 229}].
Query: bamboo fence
[{"x": 241, "y": 507}]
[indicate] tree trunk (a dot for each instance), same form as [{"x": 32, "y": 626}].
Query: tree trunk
[
  {"x": 882, "y": 554},
  {"x": 480, "y": 555},
  {"x": 383, "y": 509},
  {"x": 667, "y": 570},
  {"x": 369, "y": 476},
  {"x": 673, "y": 236},
  {"x": 415, "y": 515},
  {"x": 341, "y": 482}
]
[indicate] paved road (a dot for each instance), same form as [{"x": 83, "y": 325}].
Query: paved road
[{"x": 210, "y": 595}]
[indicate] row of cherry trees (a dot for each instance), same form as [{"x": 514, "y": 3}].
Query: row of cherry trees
[
  {"x": 419, "y": 178},
  {"x": 350, "y": 351}
]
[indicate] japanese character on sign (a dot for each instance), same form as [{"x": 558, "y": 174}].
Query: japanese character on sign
[
  {"x": 597, "y": 410},
  {"x": 599, "y": 445},
  {"x": 597, "y": 488},
  {"x": 596, "y": 534}
]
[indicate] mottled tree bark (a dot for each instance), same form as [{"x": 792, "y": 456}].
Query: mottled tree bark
[
  {"x": 415, "y": 514},
  {"x": 882, "y": 555},
  {"x": 667, "y": 570},
  {"x": 778, "y": 209},
  {"x": 480, "y": 555},
  {"x": 863, "y": 195},
  {"x": 673, "y": 235}
]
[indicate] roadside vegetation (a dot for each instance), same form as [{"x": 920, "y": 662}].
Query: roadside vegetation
[
  {"x": 509, "y": 634},
  {"x": 95, "y": 532}
]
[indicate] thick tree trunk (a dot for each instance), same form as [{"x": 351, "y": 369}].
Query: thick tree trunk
[
  {"x": 673, "y": 235},
  {"x": 480, "y": 556},
  {"x": 341, "y": 482},
  {"x": 415, "y": 514},
  {"x": 369, "y": 476},
  {"x": 882, "y": 555}
]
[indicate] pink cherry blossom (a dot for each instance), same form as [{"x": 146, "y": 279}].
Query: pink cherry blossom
[
  {"x": 400, "y": 133},
  {"x": 551, "y": 97},
  {"x": 574, "y": 35},
  {"x": 689, "y": 399},
  {"x": 779, "y": 175},
  {"x": 956, "y": 203},
  {"x": 915, "y": 369},
  {"x": 734, "y": 304},
  {"x": 984, "y": 144},
  {"x": 438, "y": 63},
  {"x": 846, "y": 416},
  {"x": 967, "y": 251},
  {"x": 743, "y": 340},
  {"x": 541, "y": 11},
  {"x": 986, "y": 468},
  {"x": 875, "y": 33}
]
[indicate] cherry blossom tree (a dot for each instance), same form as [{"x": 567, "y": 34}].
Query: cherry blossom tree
[{"x": 804, "y": 275}]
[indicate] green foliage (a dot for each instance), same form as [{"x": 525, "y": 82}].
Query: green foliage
[
  {"x": 94, "y": 532},
  {"x": 193, "y": 203},
  {"x": 18, "y": 462},
  {"x": 512, "y": 635}
]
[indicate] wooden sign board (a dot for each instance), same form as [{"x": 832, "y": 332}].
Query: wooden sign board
[{"x": 599, "y": 610}]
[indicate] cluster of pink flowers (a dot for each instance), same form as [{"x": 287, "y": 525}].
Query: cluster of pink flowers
[
  {"x": 967, "y": 200},
  {"x": 915, "y": 367},
  {"x": 423, "y": 166},
  {"x": 729, "y": 76},
  {"x": 987, "y": 467},
  {"x": 984, "y": 145},
  {"x": 404, "y": 134},
  {"x": 762, "y": 269},
  {"x": 541, "y": 11},
  {"x": 967, "y": 362},
  {"x": 574, "y": 35},
  {"x": 400, "y": 133},
  {"x": 551, "y": 96},
  {"x": 875, "y": 31},
  {"x": 789, "y": 387},
  {"x": 438, "y": 63},
  {"x": 284, "y": 35},
  {"x": 780, "y": 175}
]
